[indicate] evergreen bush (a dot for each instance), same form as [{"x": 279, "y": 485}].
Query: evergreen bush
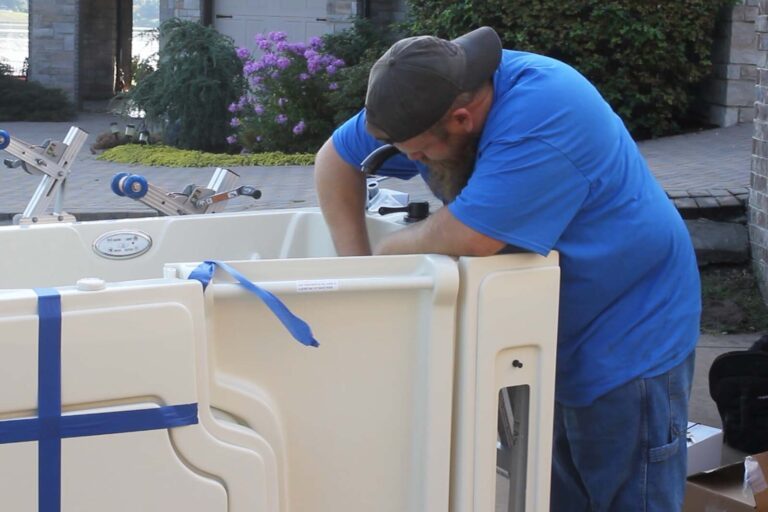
[
  {"x": 23, "y": 100},
  {"x": 646, "y": 58},
  {"x": 197, "y": 76}
]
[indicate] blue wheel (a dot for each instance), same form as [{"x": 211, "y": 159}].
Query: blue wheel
[
  {"x": 5, "y": 139},
  {"x": 135, "y": 186},
  {"x": 115, "y": 185}
]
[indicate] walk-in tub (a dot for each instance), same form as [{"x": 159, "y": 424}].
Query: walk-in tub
[{"x": 127, "y": 387}]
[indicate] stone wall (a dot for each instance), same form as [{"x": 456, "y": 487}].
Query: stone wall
[
  {"x": 53, "y": 44},
  {"x": 729, "y": 95},
  {"x": 758, "y": 196}
]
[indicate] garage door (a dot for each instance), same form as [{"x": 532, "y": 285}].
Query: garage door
[{"x": 300, "y": 19}]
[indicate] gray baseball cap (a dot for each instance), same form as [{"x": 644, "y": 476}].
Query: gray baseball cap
[{"x": 412, "y": 86}]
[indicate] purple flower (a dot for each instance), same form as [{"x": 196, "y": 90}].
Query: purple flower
[
  {"x": 234, "y": 122},
  {"x": 330, "y": 70},
  {"x": 252, "y": 66},
  {"x": 281, "y": 102},
  {"x": 297, "y": 48},
  {"x": 278, "y": 36},
  {"x": 282, "y": 46},
  {"x": 338, "y": 63},
  {"x": 315, "y": 43},
  {"x": 283, "y": 62},
  {"x": 258, "y": 138},
  {"x": 333, "y": 86},
  {"x": 231, "y": 139},
  {"x": 313, "y": 65},
  {"x": 303, "y": 77},
  {"x": 258, "y": 109},
  {"x": 281, "y": 118},
  {"x": 269, "y": 59},
  {"x": 243, "y": 53},
  {"x": 264, "y": 45},
  {"x": 233, "y": 107},
  {"x": 299, "y": 128}
]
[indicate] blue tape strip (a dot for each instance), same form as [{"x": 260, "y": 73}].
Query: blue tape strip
[
  {"x": 295, "y": 325},
  {"x": 119, "y": 422},
  {"x": 49, "y": 400},
  {"x": 97, "y": 424},
  {"x": 50, "y": 427}
]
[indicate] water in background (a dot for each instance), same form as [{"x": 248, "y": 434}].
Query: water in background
[{"x": 14, "y": 43}]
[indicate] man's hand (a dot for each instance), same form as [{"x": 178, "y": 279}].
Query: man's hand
[{"x": 440, "y": 233}]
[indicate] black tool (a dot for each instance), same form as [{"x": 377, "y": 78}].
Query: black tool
[{"x": 416, "y": 211}]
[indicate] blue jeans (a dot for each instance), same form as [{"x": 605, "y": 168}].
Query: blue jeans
[{"x": 627, "y": 451}]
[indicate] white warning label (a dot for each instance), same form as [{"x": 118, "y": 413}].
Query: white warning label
[{"x": 320, "y": 285}]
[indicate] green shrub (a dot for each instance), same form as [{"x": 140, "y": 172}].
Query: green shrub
[
  {"x": 359, "y": 46},
  {"x": 159, "y": 155},
  {"x": 197, "y": 76},
  {"x": 645, "y": 57},
  {"x": 6, "y": 69},
  {"x": 22, "y": 100}
]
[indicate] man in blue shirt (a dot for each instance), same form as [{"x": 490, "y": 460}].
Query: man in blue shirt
[{"x": 527, "y": 155}]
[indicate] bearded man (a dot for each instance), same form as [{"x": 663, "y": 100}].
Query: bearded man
[{"x": 527, "y": 156}]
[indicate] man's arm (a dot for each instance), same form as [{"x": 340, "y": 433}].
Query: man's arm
[
  {"x": 341, "y": 193},
  {"x": 440, "y": 233}
]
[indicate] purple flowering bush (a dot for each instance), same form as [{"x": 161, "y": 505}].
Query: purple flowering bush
[{"x": 286, "y": 103}]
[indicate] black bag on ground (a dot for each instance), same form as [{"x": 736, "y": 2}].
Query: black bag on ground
[{"x": 738, "y": 383}]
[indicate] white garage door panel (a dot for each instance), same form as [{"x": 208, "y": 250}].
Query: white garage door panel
[
  {"x": 297, "y": 8},
  {"x": 300, "y": 19},
  {"x": 242, "y": 30}
]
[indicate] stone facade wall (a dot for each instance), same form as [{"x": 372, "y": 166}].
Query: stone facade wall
[
  {"x": 53, "y": 44},
  {"x": 98, "y": 46},
  {"x": 758, "y": 195},
  {"x": 729, "y": 95}
]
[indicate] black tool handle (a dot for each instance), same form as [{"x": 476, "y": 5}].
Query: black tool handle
[
  {"x": 253, "y": 192},
  {"x": 417, "y": 210}
]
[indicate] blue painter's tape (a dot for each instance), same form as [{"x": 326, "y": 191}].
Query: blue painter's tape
[
  {"x": 98, "y": 424},
  {"x": 49, "y": 400},
  {"x": 50, "y": 427},
  {"x": 298, "y": 328}
]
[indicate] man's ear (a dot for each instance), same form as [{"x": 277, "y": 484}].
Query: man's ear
[{"x": 461, "y": 121}]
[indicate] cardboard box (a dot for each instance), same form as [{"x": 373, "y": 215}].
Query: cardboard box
[
  {"x": 705, "y": 447},
  {"x": 722, "y": 489}
]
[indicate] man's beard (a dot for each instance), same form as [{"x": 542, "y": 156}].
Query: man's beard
[{"x": 449, "y": 176}]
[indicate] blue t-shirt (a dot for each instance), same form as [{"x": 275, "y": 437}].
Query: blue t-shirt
[{"x": 557, "y": 170}]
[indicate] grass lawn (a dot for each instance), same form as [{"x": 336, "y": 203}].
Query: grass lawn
[{"x": 731, "y": 300}]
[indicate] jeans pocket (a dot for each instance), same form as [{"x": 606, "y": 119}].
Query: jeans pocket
[{"x": 664, "y": 452}]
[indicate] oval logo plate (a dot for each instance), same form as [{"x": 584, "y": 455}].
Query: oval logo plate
[{"x": 120, "y": 245}]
